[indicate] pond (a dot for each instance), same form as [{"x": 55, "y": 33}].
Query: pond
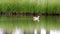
[{"x": 26, "y": 23}]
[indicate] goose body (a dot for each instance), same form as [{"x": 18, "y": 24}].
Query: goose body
[{"x": 36, "y": 18}]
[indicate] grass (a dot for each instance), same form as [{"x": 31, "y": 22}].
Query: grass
[{"x": 30, "y": 6}]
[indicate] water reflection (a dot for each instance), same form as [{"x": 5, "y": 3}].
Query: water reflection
[
  {"x": 1, "y": 31},
  {"x": 43, "y": 31},
  {"x": 54, "y": 31},
  {"x": 17, "y": 31},
  {"x": 35, "y": 31}
]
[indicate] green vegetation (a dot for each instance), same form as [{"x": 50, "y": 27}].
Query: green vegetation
[{"x": 50, "y": 6}]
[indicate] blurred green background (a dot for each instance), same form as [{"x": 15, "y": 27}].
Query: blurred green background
[
  {"x": 42, "y": 6},
  {"x": 26, "y": 22}
]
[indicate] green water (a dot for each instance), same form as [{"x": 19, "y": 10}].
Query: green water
[{"x": 26, "y": 22}]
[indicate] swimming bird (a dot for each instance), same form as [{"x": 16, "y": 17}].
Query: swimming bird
[{"x": 36, "y": 18}]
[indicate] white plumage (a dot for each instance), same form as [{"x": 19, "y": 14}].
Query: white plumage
[{"x": 36, "y": 18}]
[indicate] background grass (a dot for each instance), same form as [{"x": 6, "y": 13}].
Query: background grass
[{"x": 42, "y": 6}]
